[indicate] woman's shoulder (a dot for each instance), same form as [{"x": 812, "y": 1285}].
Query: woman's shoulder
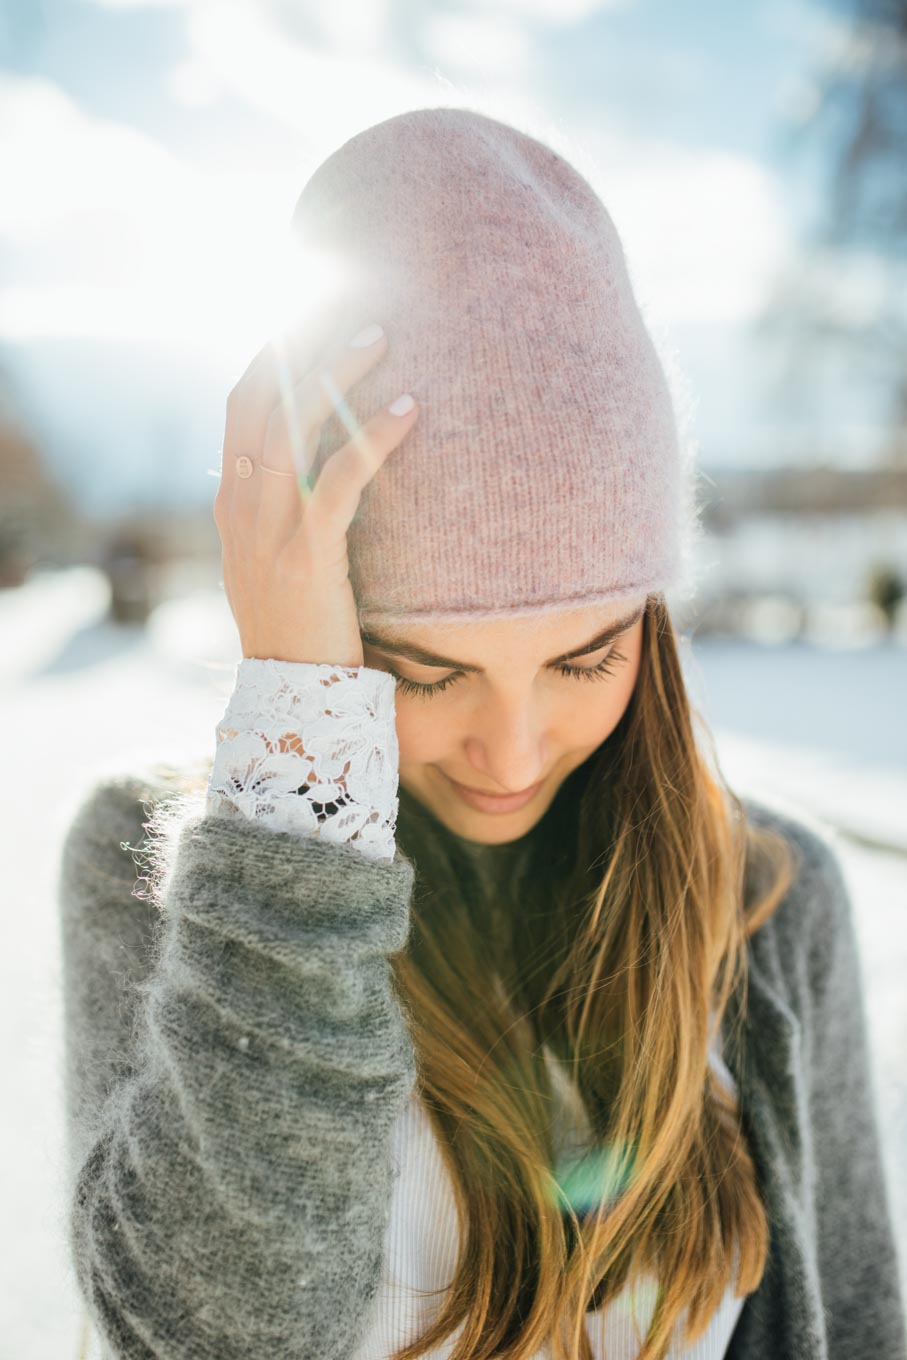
[
  {"x": 815, "y": 914},
  {"x": 815, "y": 843},
  {"x": 109, "y": 811}
]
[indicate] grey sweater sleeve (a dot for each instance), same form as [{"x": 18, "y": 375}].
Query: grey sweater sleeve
[
  {"x": 236, "y": 1059},
  {"x": 855, "y": 1242}
]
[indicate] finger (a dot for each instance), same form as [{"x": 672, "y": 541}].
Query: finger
[
  {"x": 252, "y": 398},
  {"x": 269, "y": 380},
  {"x": 288, "y": 454},
  {"x": 283, "y": 363},
  {"x": 294, "y": 430},
  {"x": 257, "y": 390},
  {"x": 237, "y": 497},
  {"x": 322, "y": 393},
  {"x": 335, "y": 497}
]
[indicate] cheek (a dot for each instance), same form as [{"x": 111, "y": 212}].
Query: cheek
[{"x": 421, "y": 738}]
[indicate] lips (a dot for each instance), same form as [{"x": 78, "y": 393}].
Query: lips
[
  {"x": 483, "y": 793},
  {"x": 488, "y": 802}
]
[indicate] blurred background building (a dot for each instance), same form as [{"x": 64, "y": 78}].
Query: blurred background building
[{"x": 754, "y": 159}]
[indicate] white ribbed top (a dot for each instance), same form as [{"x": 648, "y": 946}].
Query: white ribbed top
[{"x": 422, "y": 1238}]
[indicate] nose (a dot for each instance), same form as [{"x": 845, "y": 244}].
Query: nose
[{"x": 510, "y": 754}]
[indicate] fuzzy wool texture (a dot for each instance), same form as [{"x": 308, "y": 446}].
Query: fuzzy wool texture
[
  {"x": 236, "y": 1060},
  {"x": 551, "y": 413}
]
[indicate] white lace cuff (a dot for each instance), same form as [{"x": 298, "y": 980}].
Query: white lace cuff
[{"x": 310, "y": 749}]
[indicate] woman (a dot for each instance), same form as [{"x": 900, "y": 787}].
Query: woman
[{"x": 562, "y": 1051}]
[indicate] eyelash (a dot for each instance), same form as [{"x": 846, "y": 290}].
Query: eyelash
[{"x": 604, "y": 668}]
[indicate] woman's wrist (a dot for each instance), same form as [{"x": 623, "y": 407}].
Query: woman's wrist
[{"x": 311, "y": 749}]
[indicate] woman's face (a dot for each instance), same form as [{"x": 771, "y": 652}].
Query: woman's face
[{"x": 504, "y": 717}]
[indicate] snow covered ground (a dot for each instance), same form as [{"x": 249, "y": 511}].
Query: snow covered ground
[{"x": 821, "y": 729}]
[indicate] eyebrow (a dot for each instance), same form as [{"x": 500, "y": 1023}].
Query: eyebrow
[{"x": 412, "y": 652}]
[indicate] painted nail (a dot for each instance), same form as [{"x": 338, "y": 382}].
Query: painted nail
[
  {"x": 402, "y": 405},
  {"x": 369, "y": 336}
]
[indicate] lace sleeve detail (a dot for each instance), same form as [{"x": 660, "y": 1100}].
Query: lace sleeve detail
[{"x": 310, "y": 749}]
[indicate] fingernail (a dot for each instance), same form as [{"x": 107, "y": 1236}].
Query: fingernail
[
  {"x": 402, "y": 405},
  {"x": 369, "y": 336}
]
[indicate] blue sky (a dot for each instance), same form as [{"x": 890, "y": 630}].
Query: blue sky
[
  {"x": 702, "y": 74},
  {"x": 155, "y": 149}
]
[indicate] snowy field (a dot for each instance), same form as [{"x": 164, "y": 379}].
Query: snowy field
[{"x": 822, "y": 730}]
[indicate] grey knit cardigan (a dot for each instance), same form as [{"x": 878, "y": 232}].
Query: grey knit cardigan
[{"x": 236, "y": 1057}]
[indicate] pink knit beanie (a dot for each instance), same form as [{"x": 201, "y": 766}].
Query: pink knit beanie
[{"x": 545, "y": 469}]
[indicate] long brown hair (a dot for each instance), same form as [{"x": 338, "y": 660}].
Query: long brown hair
[{"x": 618, "y": 944}]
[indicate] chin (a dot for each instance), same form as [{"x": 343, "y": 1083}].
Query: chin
[
  {"x": 502, "y": 837},
  {"x": 439, "y": 798}
]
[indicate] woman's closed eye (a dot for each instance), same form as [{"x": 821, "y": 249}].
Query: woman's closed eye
[{"x": 597, "y": 672}]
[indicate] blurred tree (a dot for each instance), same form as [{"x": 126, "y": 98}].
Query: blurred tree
[
  {"x": 867, "y": 87},
  {"x": 846, "y": 292},
  {"x": 37, "y": 519}
]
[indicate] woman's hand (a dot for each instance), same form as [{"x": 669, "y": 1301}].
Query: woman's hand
[{"x": 284, "y": 547}]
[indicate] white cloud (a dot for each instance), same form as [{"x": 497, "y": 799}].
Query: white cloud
[
  {"x": 244, "y": 49},
  {"x": 703, "y": 231},
  {"x": 123, "y": 238},
  {"x": 58, "y": 163},
  {"x": 360, "y": 26},
  {"x": 485, "y": 44},
  {"x": 128, "y": 241},
  {"x": 321, "y": 94},
  {"x": 141, "y": 4},
  {"x": 86, "y": 311},
  {"x": 191, "y": 84},
  {"x": 555, "y": 13}
]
